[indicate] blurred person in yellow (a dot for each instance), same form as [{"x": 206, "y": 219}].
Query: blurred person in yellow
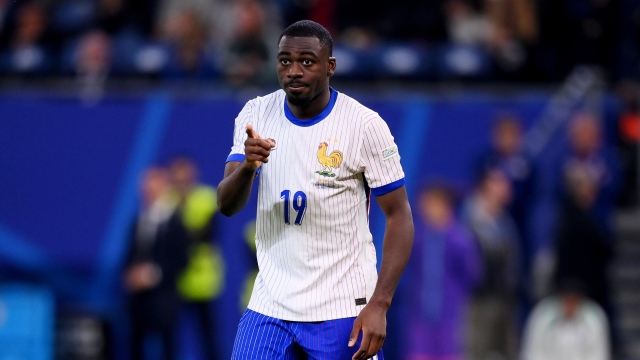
[
  {"x": 567, "y": 326},
  {"x": 202, "y": 280},
  {"x": 157, "y": 256}
]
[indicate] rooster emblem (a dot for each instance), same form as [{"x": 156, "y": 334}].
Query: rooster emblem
[{"x": 328, "y": 162}]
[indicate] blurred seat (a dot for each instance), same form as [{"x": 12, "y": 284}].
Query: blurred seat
[
  {"x": 29, "y": 60},
  {"x": 462, "y": 61},
  {"x": 404, "y": 60}
]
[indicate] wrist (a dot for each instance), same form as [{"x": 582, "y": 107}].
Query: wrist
[
  {"x": 250, "y": 167},
  {"x": 380, "y": 301}
]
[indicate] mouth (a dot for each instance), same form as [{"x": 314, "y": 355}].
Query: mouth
[{"x": 296, "y": 86}]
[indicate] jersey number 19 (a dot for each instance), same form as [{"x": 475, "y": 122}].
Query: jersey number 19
[{"x": 299, "y": 205}]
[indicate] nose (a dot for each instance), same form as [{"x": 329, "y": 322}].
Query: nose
[{"x": 295, "y": 71}]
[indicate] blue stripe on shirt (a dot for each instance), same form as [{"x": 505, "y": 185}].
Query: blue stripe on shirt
[
  {"x": 239, "y": 158},
  {"x": 385, "y": 189},
  {"x": 236, "y": 157}
]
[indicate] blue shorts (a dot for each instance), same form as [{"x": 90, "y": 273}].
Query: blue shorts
[{"x": 261, "y": 337}]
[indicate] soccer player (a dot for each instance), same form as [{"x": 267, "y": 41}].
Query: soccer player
[{"x": 318, "y": 154}]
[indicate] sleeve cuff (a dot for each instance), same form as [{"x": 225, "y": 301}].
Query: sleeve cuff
[
  {"x": 385, "y": 189},
  {"x": 239, "y": 158},
  {"x": 235, "y": 157}
]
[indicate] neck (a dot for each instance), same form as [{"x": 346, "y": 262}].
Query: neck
[{"x": 313, "y": 108}]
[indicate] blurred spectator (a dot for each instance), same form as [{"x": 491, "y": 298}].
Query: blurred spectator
[
  {"x": 467, "y": 25},
  {"x": 157, "y": 257},
  {"x": 588, "y": 156},
  {"x": 444, "y": 269},
  {"x": 568, "y": 326},
  {"x": 209, "y": 14},
  {"x": 503, "y": 27},
  {"x": 514, "y": 32},
  {"x": 628, "y": 141},
  {"x": 201, "y": 281},
  {"x": 583, "y": 248},
  {"x": 515, "y": 17},
  {"x": 93, "y": 62},
  {"x": 187, "y": 36},
  {"x": 493, "y": 316},
  {"x": 27, "y": 39},
  {"x": 246, "y": 51},
  {"x": 192, "y": 29},
  {"x": 238, "y": 29},
  {"x": 507, "y": 154}
]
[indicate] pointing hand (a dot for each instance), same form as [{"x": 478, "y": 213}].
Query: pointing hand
[{"x": 256, "y": 149}]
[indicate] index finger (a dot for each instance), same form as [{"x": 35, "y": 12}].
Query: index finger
[{"x": 252, "y": 133}]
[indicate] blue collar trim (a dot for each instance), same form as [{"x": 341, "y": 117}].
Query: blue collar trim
[{"x": 316, "y": 119}]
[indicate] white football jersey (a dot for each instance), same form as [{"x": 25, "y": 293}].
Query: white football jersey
[{"x": 315, "y": 252}]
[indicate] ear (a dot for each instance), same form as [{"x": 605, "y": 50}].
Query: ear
[{"x": 331, "y": 66}]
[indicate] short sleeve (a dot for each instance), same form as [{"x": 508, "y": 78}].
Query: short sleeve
[
  {"x": 240, "y": 134},
  {"x": 380, "y": 158}
]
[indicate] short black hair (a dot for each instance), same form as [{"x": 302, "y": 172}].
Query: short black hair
[{"x": 308, "y": 28}]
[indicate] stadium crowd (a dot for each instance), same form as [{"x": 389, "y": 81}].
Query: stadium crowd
[{"x": 513, "y": 40}]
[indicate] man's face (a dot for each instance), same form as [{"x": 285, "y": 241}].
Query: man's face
[{"x": 304, "y": 68}]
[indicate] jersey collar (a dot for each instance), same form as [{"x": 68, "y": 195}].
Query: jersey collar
[{"x": 316, "y": 119}]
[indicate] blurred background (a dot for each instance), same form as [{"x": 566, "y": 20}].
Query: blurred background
[{"x": 518, "y": 123}]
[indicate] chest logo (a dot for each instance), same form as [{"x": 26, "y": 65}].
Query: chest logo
[{"x": 328, "y": 161}]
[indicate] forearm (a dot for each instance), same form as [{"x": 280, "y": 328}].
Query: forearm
[
  {"x": 398, "y": 241},
  {"x": 235, "y": 188}
]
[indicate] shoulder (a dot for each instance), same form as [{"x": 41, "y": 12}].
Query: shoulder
[
  {"x": 262, "y": 102},
  {"x": 593, "y": 312},
  {"x": 349, "y": 106},
  {"x": 276, "y": 96},
  {"x": 546, "y": 310}
]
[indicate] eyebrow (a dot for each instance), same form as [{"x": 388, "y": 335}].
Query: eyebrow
[{"x": 287, "y": 53}]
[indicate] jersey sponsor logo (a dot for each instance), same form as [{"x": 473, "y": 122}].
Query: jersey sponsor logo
[
  {"x": 390, "y": 152},
  {"x": 329, "y": 161}
]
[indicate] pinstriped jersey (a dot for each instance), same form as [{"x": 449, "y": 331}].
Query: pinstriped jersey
[{"x": 315, "y": 252}]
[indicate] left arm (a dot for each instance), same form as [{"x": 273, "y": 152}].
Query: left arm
[{"x": 398, "y": 240}]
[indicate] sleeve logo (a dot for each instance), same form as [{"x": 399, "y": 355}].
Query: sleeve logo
[{"x": 390, "y": 152}]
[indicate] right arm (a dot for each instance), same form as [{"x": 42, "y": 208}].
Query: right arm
[{"x": 235, "y": 188}]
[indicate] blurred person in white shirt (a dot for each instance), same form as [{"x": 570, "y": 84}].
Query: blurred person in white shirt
[{"x": 567, "y": 326}]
